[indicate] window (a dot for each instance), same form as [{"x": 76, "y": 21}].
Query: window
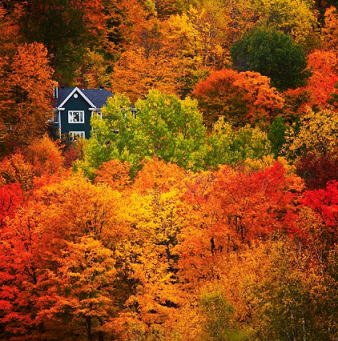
[
  {"x": 97, "y": 113},
  {"x": 75, "y": 116},
  {"x": 77, "y": 135}
]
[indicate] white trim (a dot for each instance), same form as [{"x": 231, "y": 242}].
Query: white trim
[
  {"x": 98, "y": 112},
  {"x": 60, "y": 109},
  {"x": 71, "y": 117},
  {"x": 82, "y": 134},
  {"x": 72, "y": 93},
  {"x": 59, "y": 124}
]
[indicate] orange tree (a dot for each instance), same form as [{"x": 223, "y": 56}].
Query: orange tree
[
  {"x": 239, "y": 97},
  {"x": 233, "y": 208},
  {"x": 58, "y": 262},
  {"x": 25, "y": 99}
]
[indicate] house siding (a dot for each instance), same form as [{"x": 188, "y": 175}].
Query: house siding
[{"x": 76, "y": 104}]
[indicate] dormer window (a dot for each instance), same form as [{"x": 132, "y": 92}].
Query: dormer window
[{"x": 75, "y": 116}]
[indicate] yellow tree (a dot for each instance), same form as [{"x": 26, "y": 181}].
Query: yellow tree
[
  {"x": 317, "y": 134},
  {"x": 293, "y": 17},
  {"x": 155, "y": 215}
]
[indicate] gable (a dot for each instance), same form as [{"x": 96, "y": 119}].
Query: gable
[{"x": 75, "y": 93}]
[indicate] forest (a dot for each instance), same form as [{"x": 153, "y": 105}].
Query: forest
[{"x": 211, "y": 214}]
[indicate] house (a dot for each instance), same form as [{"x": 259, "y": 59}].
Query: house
[{"x": 74, "y": 108}]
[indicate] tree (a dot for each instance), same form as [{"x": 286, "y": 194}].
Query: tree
[
  {"x": 15, "y": 169},
  {"x": 11, "y": 197},
  {"x": 273, "y": 54},
  {"x": 114, "y": 173},
  {"x": 137, "y": 72},
  {"x": 165, "y": 126},
  {"x": 58, "y": 265},
  {"x": 317, "y": 170},
  {"x": 21, "y": 277},
  {"x": 172, "y": 55},
  {"x": 230, "y": 145},
  {"x": 157, "y": 175},
  {"x": 240, "y": 97},
  {"x": 293, "y": 17},
  {"x": 45, "y": 157},
  {"x": 25, "y": 101},
  {"x": 289, "y": 307},
  {"x": 233, "y": 208},
  {"x": 93, "y": 71},
  {"x": 220, "y": 324},
  {"x": 83, "y": 284},
  {"x": 321, "y": 87},
  {"x": 10, "y": 33},
  {"x": 277, "y": 134},
  {"x": 322, "y": 226},
  {"x": 330, "y": 29},
  {"x": 79, "y": 22},
  {"x": 125, "y": 20},
  {"x": 324, "y": 77},
  {"x": 156, "y": 216},
  {"x": 317, "y": 134}
]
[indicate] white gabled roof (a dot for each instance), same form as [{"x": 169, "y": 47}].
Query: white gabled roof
[{"x": 76, "y": 89}]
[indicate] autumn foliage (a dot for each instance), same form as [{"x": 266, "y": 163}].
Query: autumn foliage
[
  {"x": 205, "y": 204},
  {"x": 240, "y": 97},
  {"x": 25, "y": 95}
]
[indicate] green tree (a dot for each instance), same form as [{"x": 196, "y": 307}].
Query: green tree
[
  {"x": 277, "y": 135},
  {"x": 227, "y": 145},
  {"x": 164, "y": 126},
  {"x": 272, "y": 54},
  {"x": 220, "y": 324},
  {"x": 294, "y": 297}
]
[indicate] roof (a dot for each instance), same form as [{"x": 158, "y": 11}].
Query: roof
[{"x": 97, "y": 96}]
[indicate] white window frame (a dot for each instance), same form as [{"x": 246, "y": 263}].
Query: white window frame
[
  {"x": 71, "y": 116},
  {"x": 80, "y": 134},
  {"x": 97, "y": 112}
]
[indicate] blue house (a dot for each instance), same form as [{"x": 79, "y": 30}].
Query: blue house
[{"x": 75, "y": 107}]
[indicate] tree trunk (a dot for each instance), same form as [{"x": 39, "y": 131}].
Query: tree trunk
[
  {"x": 89, "y": 327},
  {"x": 101, "y": 333}
]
